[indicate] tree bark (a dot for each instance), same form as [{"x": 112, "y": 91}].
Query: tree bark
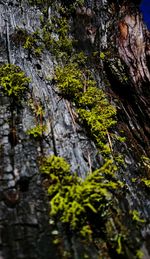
[{"x": 116, "y": 29}]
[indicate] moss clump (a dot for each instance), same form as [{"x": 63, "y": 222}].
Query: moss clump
[
  {"x": 55, "y": 165},
  {"x": 37, "y": 131},
  {"x": 56, "y": 37},
  {"x": 56, "y": 30},
  {"x": 98, "y": 115},
  {"x": 74, "y": 201},
  {"x": 33, "y": 44},
  {"x": 70, "y": 81},
  {"x": 139, "y": 254},
  {"x": 89, "y": 208},
  {"x": 13, "y": 81},
  {"x": 30, "y": 41},
  {"x": 93, "y": 108}
]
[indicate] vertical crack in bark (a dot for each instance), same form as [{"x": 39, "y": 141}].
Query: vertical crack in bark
[{"x": 8, "y": 42}]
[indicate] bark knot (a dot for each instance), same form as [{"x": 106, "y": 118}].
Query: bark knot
[{"x": 123, "y": 30}]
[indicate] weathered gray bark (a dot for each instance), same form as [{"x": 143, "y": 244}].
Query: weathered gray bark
[
  {"x": 24, "y": 230},
  {"x": 24, "y": 226}
]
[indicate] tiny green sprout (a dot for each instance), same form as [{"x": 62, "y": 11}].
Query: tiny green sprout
[
  {"x": 119, "y": 159},
  {"x": 102, "y": 55},
  {"x": 133, "y": 180},
  {"x": 29, "y": 43},
  {"x": 56, "y": 241},
  {"x": 136, "y": 216},
  {"x": 146, "y": 182},
  {"x": 86, "y": 232},
  {"x": 121, "y": 139},
  {"x": 119, "y": 244},
  {"x": 95, "y": 53},
  {"x": 79, "y": 2}
]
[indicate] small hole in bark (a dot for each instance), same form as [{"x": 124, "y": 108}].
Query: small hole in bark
[
  {"x": 10, "y": 4},
  {"x": 23, "y": 184},
  {"x": 38, "y": 66}
]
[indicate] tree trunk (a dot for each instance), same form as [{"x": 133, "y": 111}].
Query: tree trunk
[{"x": 116, "y": 42}]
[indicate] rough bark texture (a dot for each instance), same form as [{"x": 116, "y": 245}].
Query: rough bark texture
[{"x": 100, "y": 26}]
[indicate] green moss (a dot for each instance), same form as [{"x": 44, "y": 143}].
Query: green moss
[
  {"x": 94, "y": 110},
  {"x": 102, "y": 55},
  {"x": 136, "y": 216},
  {"x": 98, "y": 115},
  {"x": 139, "y": 254},
  {"x": 30, "y": 41},
  {"x": 146, "y": 182},
  {"x": 119, "y": 244},
  {"x": 13, "y": 81},
  {"x": 88, "y": 208},
  {"x": 119, "y": 159},
  {"x": 106, "y": 55},
  {"x": 56, "y": 37},
  {"x": 56, "y": 30},
  {"x": 134, "y": 180},
  {"x": 37, "y": 131},
  {"x": 121, "y": 139},
  {"x": 70, "y": 81},
  {"x": 73, "y": 200},
  {"x": 33, "y": 44},
  {"x": 55, "y": 166},
  {"x": 85, "y": 207}
]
